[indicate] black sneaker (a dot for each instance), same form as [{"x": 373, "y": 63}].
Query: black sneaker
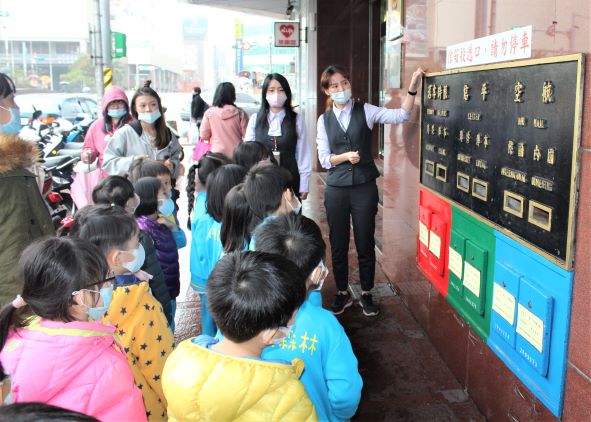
[
  {"x": 369, "y": 308},
  {"x": 341, "y": 301}
]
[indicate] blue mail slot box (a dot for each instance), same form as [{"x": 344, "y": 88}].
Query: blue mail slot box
[
  {"x": 534, "y": 347},
  {"x": 503, "y": 317},
  {"x": 534, "y": 325}
]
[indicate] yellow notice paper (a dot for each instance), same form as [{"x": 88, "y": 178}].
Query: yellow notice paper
[
  {"x": 504, "y": 303},
  {"x": 530, "y": 327},
  {"x": 435, "y": 244},
  {"x": 423, "y": 234},
  {"x": 472, "y": 279},
  {"x": 455, "y": 262}
]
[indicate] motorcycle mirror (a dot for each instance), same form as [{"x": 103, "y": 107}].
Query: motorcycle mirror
[
  {"x": 81, "y": 116},
  {"x": 36, "y": 114}
]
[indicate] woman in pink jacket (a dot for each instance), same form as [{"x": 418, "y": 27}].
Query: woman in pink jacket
[
  {"x": 54, "y": 348},
  {"x": 115, "y": 115},
  {"x": 224, "y": 124}
]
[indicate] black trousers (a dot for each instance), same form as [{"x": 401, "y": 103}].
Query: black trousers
[{"x": 359, "y": 203}]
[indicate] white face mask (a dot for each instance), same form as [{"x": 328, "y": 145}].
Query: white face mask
[
  {"x": 319, "y": 282},
  {"x": 298, "y": 208},
  {"x": 341, "y": 97},
  {"x": 139, "y": 256},
  {"x": 286, "y": 331},
  {"x": 276, "y": 100}
]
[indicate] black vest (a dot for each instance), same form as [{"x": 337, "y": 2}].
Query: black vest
[
  {"x": 356, "y": 138},
  {"x": 286, "y": 145}
]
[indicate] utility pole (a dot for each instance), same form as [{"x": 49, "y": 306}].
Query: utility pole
[
  {"x": 95, "y": 36},
  {"x": 106, "y": 43}
]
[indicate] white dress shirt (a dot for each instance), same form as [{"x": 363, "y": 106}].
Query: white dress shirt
[
  {"x": 302, "y": 152},
  {"x": 373, "y": 115}
]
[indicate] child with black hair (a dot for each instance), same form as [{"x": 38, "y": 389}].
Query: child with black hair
[
  {"x": 331, "y": 377},
  {"x": 268, "y": 192},
  {"x": 153, "y": 199},
  {"x": 253, "y": 297},
  {"x": 144, "y": 167},
  {"x": 55, "y": 349},
  {"x": 238, "y": 221},
  {"x": 249, "y": 154},
  {"x": 26, "y": 412},
  {"x": 137, "y": 316},
  {"x": 196, "y": 180},
  {"x": 118, "y": 190},
  {"x": 206, "y": 245}
]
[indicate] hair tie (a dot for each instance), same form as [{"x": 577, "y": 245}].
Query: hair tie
[{"x": 18, "y": 302}]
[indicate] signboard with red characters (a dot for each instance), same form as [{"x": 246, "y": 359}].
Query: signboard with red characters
[
  {"x": 509, "y": 45},
  {"x": 287, "y": 34}
]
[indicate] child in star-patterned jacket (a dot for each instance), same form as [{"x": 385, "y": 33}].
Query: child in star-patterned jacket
[{"x": 138, "y": 317}]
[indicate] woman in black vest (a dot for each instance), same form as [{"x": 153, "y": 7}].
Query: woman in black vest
[
  {"x": 344, "y": 148},
  {"x": 282, "y": 131}
]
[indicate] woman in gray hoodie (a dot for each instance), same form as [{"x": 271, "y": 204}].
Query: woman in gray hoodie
[{"x": 148, "y": 136}]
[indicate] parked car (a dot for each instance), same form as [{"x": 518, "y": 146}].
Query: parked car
[
  {"x": 248, "y": 102},
  {"x": 71, "y": 107}
]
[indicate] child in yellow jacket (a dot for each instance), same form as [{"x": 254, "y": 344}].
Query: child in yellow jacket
[
  {"x": 137, "y": 316},
  {"x": 253, "y": 297}
]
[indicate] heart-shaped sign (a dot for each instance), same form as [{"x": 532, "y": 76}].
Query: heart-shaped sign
[{"x": 287, "y": 30}]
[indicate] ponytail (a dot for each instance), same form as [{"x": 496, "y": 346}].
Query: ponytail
[
  {"x": 191, "y": 191},
  {"x": 10, "y": 319}
]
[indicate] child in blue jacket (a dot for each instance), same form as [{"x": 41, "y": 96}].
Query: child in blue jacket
[
  {"x": 206, "y": 246},
  {"x": 331, "y": 376}
]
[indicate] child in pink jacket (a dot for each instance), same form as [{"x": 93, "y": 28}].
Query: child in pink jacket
[
  {"x": 224, "y": 124},
  {"x": 115, "y": 115},
  {"x": 54, "y": 348}
]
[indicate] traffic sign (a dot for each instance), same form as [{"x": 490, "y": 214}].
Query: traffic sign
[{"x": 119, "y": 43}]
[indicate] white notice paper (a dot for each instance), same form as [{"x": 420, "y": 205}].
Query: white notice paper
[
  {"x": 504, "y": 303},
  {"x": 530, "y": 327},
  {"x": 423, "y": 234},
  {"x": 455, "y": 262},
  {"x": 435, "y": 244},
  {"x": 472, "y": 279}
]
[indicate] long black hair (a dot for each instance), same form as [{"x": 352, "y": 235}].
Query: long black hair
[
  {"x": 162, "y": 132},
  {"x": 290, "y": 115},
  {"x": 52, "y": 269},
  {"x": 225, "y": 94},
  {"x": 201, "y": 169},
  {"x": 7, "y": 86},
  {"x": 238, "y": 221},
  {"x": 219, "y": 184}
]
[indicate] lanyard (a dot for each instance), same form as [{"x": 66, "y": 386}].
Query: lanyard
[{"x": 275, "y": 143}]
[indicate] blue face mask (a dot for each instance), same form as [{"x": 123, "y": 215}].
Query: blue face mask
[
  {"x": 96, "y": 313},
  {"x": 341, "y": 97},
  {"x": 167, "y": 207},
  {"x": 117, "y": 113},
  {"x": 149, "y": 117},
  {"x": 13, "y": 127}
]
